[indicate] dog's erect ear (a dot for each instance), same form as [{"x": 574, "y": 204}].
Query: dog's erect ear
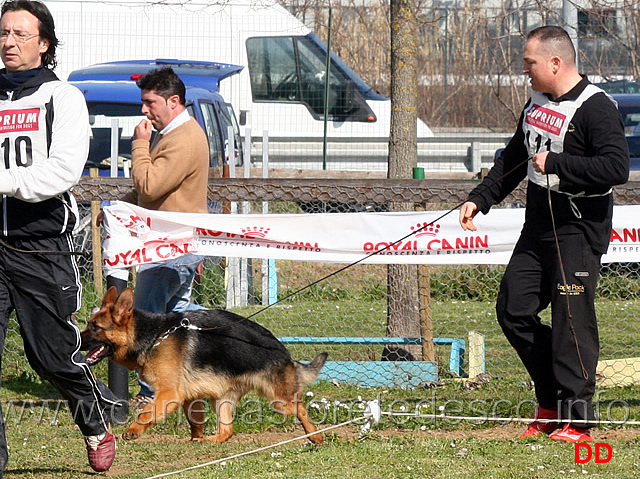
[
  {"x": 124, "y": 305},
  {"x": 111, "y": 296}
]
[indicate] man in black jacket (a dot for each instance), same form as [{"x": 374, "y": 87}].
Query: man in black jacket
[
  {"x": 570, "y": 145},
  {"x": 44, "y": 136}
]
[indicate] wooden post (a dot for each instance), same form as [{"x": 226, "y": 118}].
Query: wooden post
[
  {"x": 426, "y": 324},
  {"x": 96, "y": 242},
  {"x": 476, "y": 354}
]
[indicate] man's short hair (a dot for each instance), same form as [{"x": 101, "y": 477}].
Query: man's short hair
[
  {"x": 164, "y": 82},
  {"x": 555, "y": 41},
  {"x": 46, "y": 26}
]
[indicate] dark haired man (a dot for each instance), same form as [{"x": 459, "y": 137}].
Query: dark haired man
[
  {"x": 169, "y": 175},
  {"x": 44, "y": 137},
  {"x": 573, "y": 138}
]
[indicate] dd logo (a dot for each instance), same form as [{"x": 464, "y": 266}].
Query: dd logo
[{"x": 598, "y": 446}]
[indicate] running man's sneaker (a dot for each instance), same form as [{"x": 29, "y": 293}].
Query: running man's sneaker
[
  {"x": 571, "y": 433},
  {"x": 537, "y": 427},
  {"x": 101, "y": 451}
]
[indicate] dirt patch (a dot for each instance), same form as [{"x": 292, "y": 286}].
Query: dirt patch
[
  {"x": 507, "y": 432},
  {"x": 616, "y": 435}
]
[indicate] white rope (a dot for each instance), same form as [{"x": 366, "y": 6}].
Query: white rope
[
  {"x": 372, "y": 416},
  {"x": 508, "y": 419},
  {"x": 217, "y": 461}
]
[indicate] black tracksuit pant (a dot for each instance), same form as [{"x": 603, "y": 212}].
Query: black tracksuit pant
[
  {"x": 563, "y": 367},
  {"x": 43, "y": 289}
]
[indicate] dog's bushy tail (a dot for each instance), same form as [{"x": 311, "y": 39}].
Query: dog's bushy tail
[{"x": 308, "y": 372}]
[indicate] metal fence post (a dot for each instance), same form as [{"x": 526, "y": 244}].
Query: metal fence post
[
  {"x": 424, "y": 297},
  {"x": 118, "y": 375}
]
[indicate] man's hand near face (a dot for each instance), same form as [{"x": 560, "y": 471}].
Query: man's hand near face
[{"x": 143, "y": 131}]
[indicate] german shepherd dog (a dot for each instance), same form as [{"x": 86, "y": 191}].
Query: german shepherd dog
[{"x": 187, "y": 357}]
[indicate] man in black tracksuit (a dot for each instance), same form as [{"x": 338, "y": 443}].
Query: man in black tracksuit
[
  {"x": 44, "y": 137},
  {"x": 573, "y": 138}
]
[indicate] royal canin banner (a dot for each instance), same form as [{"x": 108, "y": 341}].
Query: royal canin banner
[{"x": 136, "y": 236}]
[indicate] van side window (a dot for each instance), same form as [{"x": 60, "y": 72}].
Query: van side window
[
  {"x": 292, "y": 69},
  {"x": 212, "y": 128}
]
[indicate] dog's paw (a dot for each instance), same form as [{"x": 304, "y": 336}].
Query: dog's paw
[
  {"x": 217, "y": 438},
  {"x": 130, "y": 434}
]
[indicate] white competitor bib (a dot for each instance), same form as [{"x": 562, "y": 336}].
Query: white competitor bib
[
  {"x": 545, "y": 125},
  {"x": 24, "y": 128}
]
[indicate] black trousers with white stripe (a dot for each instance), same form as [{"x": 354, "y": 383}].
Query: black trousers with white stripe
[
  {"x": 561, "y": 357},
  {"x": 44, "y": 290}
]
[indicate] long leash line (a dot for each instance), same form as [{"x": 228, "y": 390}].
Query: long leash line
[
  {"x": 585, "y": 373},
  {"x": 185, "y": 323},
  {"x": 557, "y": 243},
  {"x": 366, "y": 257}
]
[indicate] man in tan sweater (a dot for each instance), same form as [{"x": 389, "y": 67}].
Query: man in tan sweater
[{"x": 170, "y": 174}]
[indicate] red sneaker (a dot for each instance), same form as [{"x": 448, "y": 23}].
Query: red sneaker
[
  {"x": 101, "y": 452},
  {"x": 571, "y": 433},
  {"x": 536, "y": 427}
]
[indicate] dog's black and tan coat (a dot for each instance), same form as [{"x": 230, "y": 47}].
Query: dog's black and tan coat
[{"x": 221, "y": 356}]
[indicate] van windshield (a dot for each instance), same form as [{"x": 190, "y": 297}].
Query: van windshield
[
  {"x": 292, "y": 69},
  {"x": 105, "y": 116}
]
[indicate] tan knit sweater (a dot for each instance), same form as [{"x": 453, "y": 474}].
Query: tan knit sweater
[{"x": 173, "y": 176}]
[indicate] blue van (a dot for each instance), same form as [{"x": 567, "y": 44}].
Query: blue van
[{"x": 113, "y": 99}]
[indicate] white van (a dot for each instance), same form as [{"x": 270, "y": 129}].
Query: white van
[{"x": 280, "y": 90}]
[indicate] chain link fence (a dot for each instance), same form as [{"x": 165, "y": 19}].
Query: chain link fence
[{"x": 308, "y": 300}]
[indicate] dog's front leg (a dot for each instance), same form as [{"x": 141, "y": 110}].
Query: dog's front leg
[
  {"x": 163, "y": 404},
  {"x": 295, "y": 408}
]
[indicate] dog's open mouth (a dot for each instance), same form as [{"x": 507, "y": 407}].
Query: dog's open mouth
[{"x": 98, "y": 353}]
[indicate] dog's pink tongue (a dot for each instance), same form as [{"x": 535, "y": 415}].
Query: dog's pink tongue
[{"x": 95, "y": 355}]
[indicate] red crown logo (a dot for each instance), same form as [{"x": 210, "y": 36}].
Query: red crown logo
[
  {"x": 255, "y": 231},
  {"x": 426, "y": 229}
]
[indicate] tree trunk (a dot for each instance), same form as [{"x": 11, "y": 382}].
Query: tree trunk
[{"x": 403, "y": 318}]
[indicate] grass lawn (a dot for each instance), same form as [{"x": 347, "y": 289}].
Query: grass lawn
[
  {"x": 49, "y": 445},
  {"x": 44, "y": 443}
]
